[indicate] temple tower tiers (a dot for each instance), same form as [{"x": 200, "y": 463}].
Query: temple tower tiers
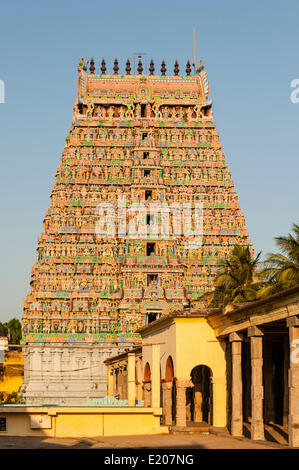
[{"x": 142, "y": 158}]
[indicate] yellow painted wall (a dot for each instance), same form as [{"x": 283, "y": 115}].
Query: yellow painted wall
[
  {"x": 79, "y": 425},
  {"x": 132, "y": 425},
  {"x": 84, "y": 421},
  {"x": 191, "y": 342},
  {"x": 12, "y": 378},
  {"x": 166, "y": 338},
  {"x": 196, "y": 344}
]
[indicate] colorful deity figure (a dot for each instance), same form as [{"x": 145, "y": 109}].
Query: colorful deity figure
[
  {"x": 165, "y": 113},
  {"x": 121, "y": 113},
  {"x": 156, "y": 110},
  {"x": 130, "y": 111},
  {"x": 90, "y": 109},
  {"x": 110, "y": 113},
  {"x": 138, "y": 110},
  {"x": 190, "y": 113}
]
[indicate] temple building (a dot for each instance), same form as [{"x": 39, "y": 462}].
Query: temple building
[
  {"x": 232, "y": 369},
  {"x": 142, "y": 209}
]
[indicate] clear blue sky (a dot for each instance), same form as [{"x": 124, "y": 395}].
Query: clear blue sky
[{"x": 250, "y": 51}]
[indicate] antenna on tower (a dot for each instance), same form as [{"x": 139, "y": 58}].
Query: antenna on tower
[{"x": 196, "y": 66}]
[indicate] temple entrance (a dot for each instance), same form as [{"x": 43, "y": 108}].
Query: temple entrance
[{"x": 199, "y": 397}]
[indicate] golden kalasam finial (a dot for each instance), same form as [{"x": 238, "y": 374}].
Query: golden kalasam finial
[
  {"x": 128, "y": 67},
  {"x": 140, "y": 68},
  {"x": 116, "y": 67},
  {"x": 103, "y": 67},
  {"x": 163, "y": 68},
  {"x": 188, "y": 68},
  {"x": 152, "y": 67},
  {"x": 92, "y": 67}
]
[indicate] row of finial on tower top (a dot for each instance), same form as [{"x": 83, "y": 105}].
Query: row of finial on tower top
[{"x": 176, "y": 69}]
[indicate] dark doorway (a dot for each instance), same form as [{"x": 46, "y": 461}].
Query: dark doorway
[
  {"x": 152, "y": 316},
  {"x": 149, "y": 219},
  {"x": 148, "y": 194},
  {"x": 201, "y": 404},
  {"x": 152, "y": 279},
  {"x": 143, "y": 110},
  {"x": 278, "y": 381},
  {"x": 150, "y": 248}
]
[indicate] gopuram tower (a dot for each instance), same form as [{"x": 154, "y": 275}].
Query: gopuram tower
[{"x": 142, "y": 209}]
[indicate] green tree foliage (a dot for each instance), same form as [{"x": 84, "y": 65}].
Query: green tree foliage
[
  {"x": 282, "y": 269},
  {"x": 3, "y": 329},
  {"x": 236, "y": 280},
  {"x": 13, "y": 330}
]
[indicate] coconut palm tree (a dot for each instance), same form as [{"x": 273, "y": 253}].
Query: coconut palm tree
[
  {"x": 236, "y": 280},
  {"x": 282, "y": 269}
]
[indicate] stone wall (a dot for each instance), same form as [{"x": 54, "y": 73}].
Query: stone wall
[{"x": 65, "y": 374}]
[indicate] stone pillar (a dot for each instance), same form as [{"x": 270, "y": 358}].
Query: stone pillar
[
  {"x": 198, "y": 402},
  {"x": 285, "y": 382},
  {"x": 131, "y": 379},
  {"x": 139, "y": 380},
  {"x": 147, "y": 389},
  {"x": 167, "y": 403},
  {"x": 293, "y": 325},
  {"x": 125, "y": 382},
  {"x": 156, "y": 376},
  {"x": 180, "y": 419},
  {"x": 189, "y": 399},
  {"x": 218, "y": 405},
  {"x": 237, "y": 408},
  {"x": 115, "y": 380},
  {"x": 120, "y": 381},
  {"x": 257, "y": 389},
  {"x": 110, "y": 381}
]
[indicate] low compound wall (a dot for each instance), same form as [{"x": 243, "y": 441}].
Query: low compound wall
[{"x": 79, "y": 421}]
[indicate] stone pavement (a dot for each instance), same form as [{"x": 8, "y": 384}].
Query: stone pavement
[{"x": 193, "y": 441}]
